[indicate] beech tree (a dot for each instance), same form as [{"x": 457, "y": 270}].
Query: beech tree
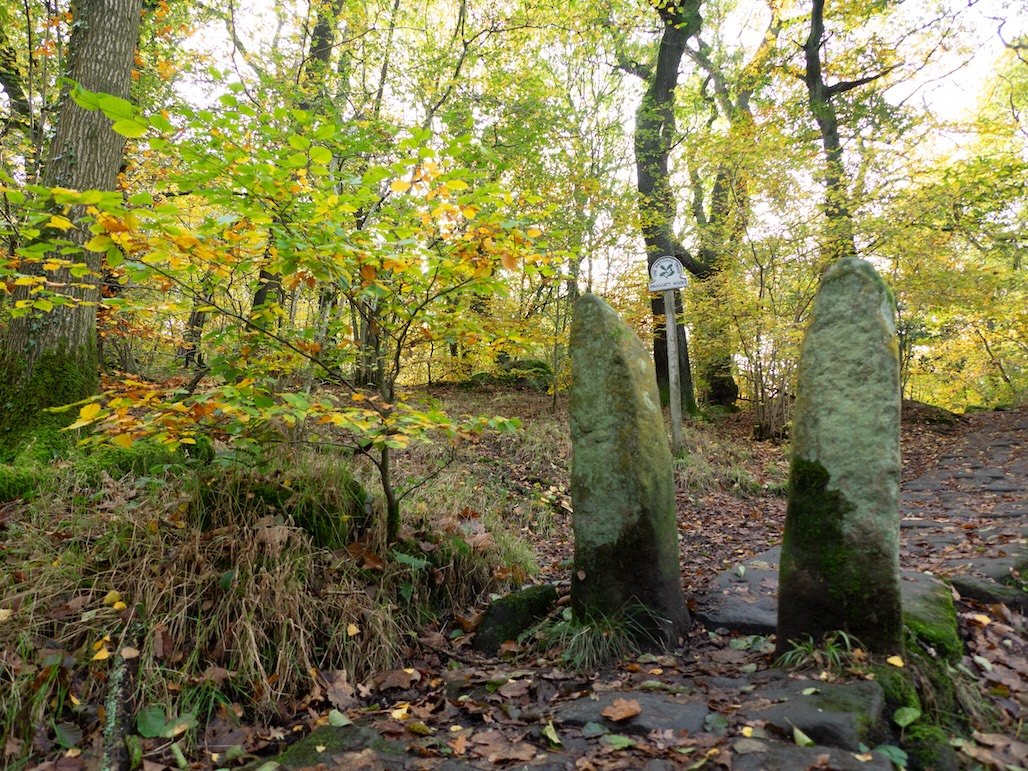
[{"x": 49, "y": 354}]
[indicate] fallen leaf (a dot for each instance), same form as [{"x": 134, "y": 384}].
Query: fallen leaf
[
  {"x": 896, "y": 661},
  {"x": 459, "y": 744},
  {"x": 801, "y": 739},
  {"x": 551, "y": 733},
  {"x": 622, "y": 709}
]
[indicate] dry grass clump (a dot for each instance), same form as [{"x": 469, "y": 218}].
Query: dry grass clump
[{"x": 214, "y": 592}]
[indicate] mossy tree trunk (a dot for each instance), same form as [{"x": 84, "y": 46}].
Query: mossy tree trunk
[{"x": 50, "y": 359}]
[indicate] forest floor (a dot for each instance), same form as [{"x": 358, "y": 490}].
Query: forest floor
[
  {"x": 448, "y": 707},
  {"x": 452, "y": 708}
]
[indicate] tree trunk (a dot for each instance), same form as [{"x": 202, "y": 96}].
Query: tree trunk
[
  {"x": 654, "y": 135},
  {"x": 50, "y": 359},
  {"x": 839, "y": 241}
]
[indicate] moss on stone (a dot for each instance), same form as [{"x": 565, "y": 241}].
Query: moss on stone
[
  {"x": 321, "y": 745},
  {"x": 931, "y": 622},
  {"x": 59, "y": 377},
  {"x": 898, "y": 684},
  {"x": 834, "y": 576},
  {"x": 329, "y": 505},
  {"x": 928, "y": 747},
  {"x": 20, "y": 481},
  {"x": 509, "y": 616},
  {"x": 142, "y": 458}
]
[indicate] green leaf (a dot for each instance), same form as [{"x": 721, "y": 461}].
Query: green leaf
[
  {"x": 321, "y": 155},
  {"x": 115, "y": 108},
  {"x": 118, "y": 258},
  {"x": 150, "y": 722},
  {"x": 904, "y": 716},
  {"x": 715, "y": 723},
  {"x": 43, "y": 305},
  {"x": 417, "y": 563},
  {"x": 87, "y": 100},
  {"x": 893, "y": 753},
  {"x": 184, "y": 722},
  {"x": 161, "y": 123},
  {"x": 617, "y": 741},
  {"x": 141, "y": 199},
  {"x": 591, "y": 729},
  {"x": 325, "y": 131},
  {"x": 298, "y": 142},
  {"x": 551, "y": 733},
  {"x": 338, "y": 719},
  {"x": 130, "y": 127},
  {"x": 67, "y": 734},
  {"x": 801, "y": 739}
]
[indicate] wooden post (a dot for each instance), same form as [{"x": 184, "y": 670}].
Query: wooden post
[
  {"x": 674, "y": 380},
  {"x": 666, "y": 276}
]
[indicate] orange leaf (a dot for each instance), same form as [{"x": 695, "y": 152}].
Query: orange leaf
[
  {"x": 622, "y": 709},
  {"x": 510, "y": 261}
]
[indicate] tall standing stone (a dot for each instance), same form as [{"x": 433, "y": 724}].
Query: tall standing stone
[
  {"x": 839, "y": 568},
  {"x": 622, "y": 481}
]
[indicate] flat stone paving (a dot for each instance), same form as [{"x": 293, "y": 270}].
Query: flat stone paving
[{"x": 965, "y": 520}]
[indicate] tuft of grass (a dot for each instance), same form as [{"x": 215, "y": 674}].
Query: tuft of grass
[
  {"x": 587, "y": 644},
  {"x": 836, "y": 652}
]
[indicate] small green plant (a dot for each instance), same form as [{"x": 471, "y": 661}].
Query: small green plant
[
  {"x": 587, "y": 644},
  {"x": 836, "y": 651}
]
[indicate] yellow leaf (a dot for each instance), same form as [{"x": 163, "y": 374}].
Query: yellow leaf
[
  {"x": 101, "y": 655},
  {"x": 28, "y": 280},
  {"x": 59, "y": 222},
  {"x": 400, "y": 186},
  {"x": 534, "y": 232},
  {"x": 73, "y": 752},
  {"x": 456, "y": 184},
  {"x": 99, "y": 243},
  {"x": 6, "y": 613},
  {"x": 319, "y": 748},
  {"x": 112, "y": 597},
  {"x": 747, "y": 730},
  {"x": 353, "y": 630},
  {"x": 88, "y": 411},
  {"x": 123, "y": 440},
  {"x": 75, "y": 701},
  {"x": 119, "y": 606},
  {"x": 402, "y": 712},
  {"x": 896, "y": 661}
]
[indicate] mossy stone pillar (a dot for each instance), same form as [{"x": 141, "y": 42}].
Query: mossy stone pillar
[
  {"x": 839, "y": 567},
  {"x": 622, "y": 482}
]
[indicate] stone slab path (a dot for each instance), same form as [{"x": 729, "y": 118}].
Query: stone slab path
[{"x": 966, "y": 521}]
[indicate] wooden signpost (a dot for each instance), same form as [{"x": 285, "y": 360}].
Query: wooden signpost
[{"x": 666, "y": 276}]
